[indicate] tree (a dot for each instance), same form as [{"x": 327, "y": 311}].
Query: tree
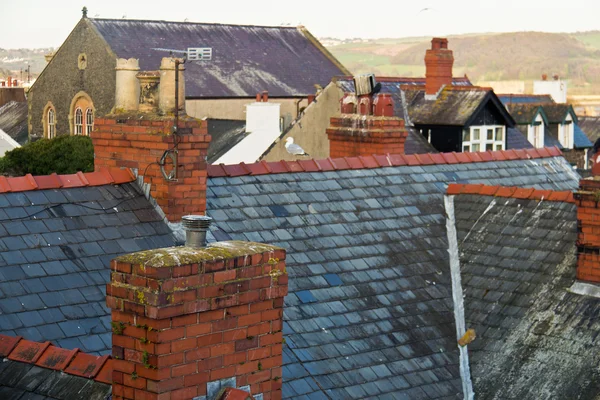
[{"x": 63, "y": 155}]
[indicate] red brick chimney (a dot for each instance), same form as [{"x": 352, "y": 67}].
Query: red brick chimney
[
  {"x": 587, "y": 199},
  {"x": 142, "y": 136},
  {"x": 144, "y": 141},
  {"x": 438, "y": 66},
  {"x": 191, "y": 322},
  {"x": 375, "y": 132}
]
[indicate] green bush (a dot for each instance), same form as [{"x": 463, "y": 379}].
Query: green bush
[{"x": 63, "y": 155}]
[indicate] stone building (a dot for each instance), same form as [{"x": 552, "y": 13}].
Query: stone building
[{"x": 79, "y": 81}]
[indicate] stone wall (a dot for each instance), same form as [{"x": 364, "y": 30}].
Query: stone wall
[{"x": 62, "y": 79}]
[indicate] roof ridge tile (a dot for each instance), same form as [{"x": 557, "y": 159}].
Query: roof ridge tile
[
  {"x": 103, "y": 176},
  {"x": 510, "y": 192},
  {"x": 46, "y": 355},
  {"x": 376, "y": 161}
]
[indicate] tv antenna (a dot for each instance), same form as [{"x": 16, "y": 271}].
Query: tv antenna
[{"x": 191, "y": 54}]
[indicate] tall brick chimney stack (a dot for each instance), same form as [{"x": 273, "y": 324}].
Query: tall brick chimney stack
[
  {"x": 373, "y": 130},
  {"x": 587, "y": 199},
  {"x": 170, "y": 156},
  {"x": 438, "y": 66},
  {"x": 191, "y": 322}
]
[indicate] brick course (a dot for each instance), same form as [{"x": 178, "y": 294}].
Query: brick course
[{"x": 588, "y": 227}]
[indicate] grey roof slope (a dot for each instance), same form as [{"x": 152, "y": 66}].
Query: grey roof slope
[
  {"x": 225, "y": 133},
  {"x": 245, "y": 59},
  {"x": 534, "y": 338},
  {"x": 23, "y": 381},
  {"x": 580, "y": 139},
  {"x": 591, "y": 126},
  {"x": 369, "y": 310},
  {"x": 13, "y": 120},
  {"x": 56, "y": 246},
  {"x": 515, "y": 139}
]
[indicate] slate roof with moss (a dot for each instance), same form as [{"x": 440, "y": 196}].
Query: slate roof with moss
[
  {"x": 286, "y": 61},
  {"x": 525, "y": 114},
  {"x": 535, "y": 339},
  {"x": 369, "y": 311}
]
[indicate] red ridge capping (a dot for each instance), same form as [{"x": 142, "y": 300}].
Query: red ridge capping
[
  {"x": 375, "y": 161},
  {"x": 86, "y": 365},
  {"x": 45, "y": 355},
  {"x": 28, "y": 182},
  {"x": 510, "y": 192}
]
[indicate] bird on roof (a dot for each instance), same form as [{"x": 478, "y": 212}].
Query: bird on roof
[{"x": 293, "y": 148}]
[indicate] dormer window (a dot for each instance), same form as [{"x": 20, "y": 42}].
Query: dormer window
[
  {"x": 483, "y": 138},
  {"x": 565, "y": 132},
  {"x": 535, "y": 132}
]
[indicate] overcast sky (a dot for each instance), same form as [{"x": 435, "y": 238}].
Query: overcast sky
[{"x": 43, "y": 23}]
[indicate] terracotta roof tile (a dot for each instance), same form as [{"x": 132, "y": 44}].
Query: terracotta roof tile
[
  {"x": 513, "y": 192},
  {"x": 45, "y": 355},
  {"x": 86, "y": 365}
]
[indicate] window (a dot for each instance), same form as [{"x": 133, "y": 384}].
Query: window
[
  {"x": 78, "y": 121},
  {"x": 536, "y": 131},
  {"x": 483, "y": 138},
  {"x": 565, "y": 133},
  {"x": 51, "y": 123},
  {"x": 89, "y": 121}
]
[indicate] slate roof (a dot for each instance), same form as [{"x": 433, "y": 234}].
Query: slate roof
[
  {"x": 525, "y": 114},
  {"x": 225, "y": 134},
  {"x": 515, "y": 139},
  {"x": 580, "y": 139},
  {"x": 557, "y": 113},
  {"x": 286, "y": 61},
  {"x": 56, "y": 243},
  {"x": 591, "y": 127},
  {"x": 13, "y": 120},
  {"x": 369, "y": 311},
  {"x": 535, "y": 339},
  {"x": 508, "y": 99},
  {"x": 454, "y": 106}
]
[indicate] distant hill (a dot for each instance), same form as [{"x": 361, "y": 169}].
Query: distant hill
[
  {"x": 12, "y": 61},
  {"x": 505, "y": 56}
]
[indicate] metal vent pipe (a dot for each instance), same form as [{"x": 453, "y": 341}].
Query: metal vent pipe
[{"x": 195, "y": 227}]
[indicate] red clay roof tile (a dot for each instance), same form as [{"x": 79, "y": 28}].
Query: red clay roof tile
[
  {"x": 28, "y": 351},
  {"x": 56, "y": 358},
  {"x": 326, "y": 164},
  {"x": 86, "y": 365},
  {"x": 216, "y": 170},
  {"x": 368, "y": 161},
  {"x": 397, "y": 160},
  {"x": 513, "y": 192},
  {"x": 7, "y": 344},
  {"x": 462, "y": 157},
  {"x": 354, "y": 162},
  {"x": 383, "y": 160},
  {"x": 450, "y": 158}
]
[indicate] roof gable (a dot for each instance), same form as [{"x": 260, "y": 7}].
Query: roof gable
[
  {"x": 285, "y": 61},
  {"x": 527, "y": 113}
]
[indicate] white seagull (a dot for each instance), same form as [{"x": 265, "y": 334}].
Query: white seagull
[{"x": 293, "y": 148}]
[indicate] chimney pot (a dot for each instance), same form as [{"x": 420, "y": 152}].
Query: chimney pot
[
  {"x": 365, "y": 104},
  {"x": 544, "y": 77},
  {"x": 258, "y": 97},
  {"x": 348, "y": 103},
  {"x": 556, "y": 77},
  {"x": 195, "y": 227},
  {"x": 383, "y": 105},
  {"x": 265, "y": 96},
  {"x": 311, "y": 98},
  {"x": 9, "y": 80}
]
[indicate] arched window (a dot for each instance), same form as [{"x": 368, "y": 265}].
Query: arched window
[
  {"x": 51, "y": 123},
  {"x": 89, "y": 121},
  {"x": 78, "y": 121}
]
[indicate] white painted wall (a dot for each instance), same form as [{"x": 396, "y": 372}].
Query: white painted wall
[
  {"x": 6, "y": 143},
  {"x": 262, "y": 126},
  {"x": 556, "y": 89}
]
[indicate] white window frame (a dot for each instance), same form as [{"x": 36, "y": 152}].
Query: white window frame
[
  {"x": 478, "y": 138},
  {"x": 566, "y": 132},
  {"x": 89, "y": 121},
  {"x": 535, "y": 132},
  {"x": 78, "y": 121},
  {"x": 51, "y": 123}
]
